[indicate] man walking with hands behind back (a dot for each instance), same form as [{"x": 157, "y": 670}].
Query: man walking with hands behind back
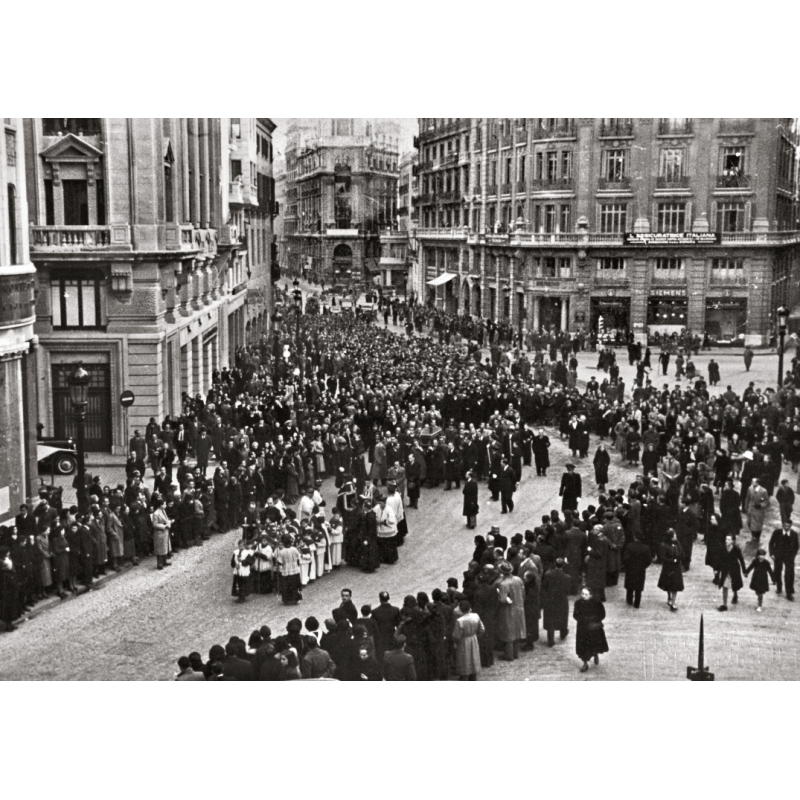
[{"x": 783, "y": 547}]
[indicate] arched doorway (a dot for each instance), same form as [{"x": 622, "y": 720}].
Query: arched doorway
[
  {"x": 476, "y": 300},
  {"x": 342, "y": 264}
]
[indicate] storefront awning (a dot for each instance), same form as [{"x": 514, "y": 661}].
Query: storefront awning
[{"x": 441, "y": 279}]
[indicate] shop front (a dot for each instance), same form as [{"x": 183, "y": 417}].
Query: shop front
[
  {"x": 726, "y": 320},
  {"x": 667, "y": 312},
  {"x": 610, "y": 317}
]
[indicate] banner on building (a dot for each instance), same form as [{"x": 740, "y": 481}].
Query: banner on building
[{"x": 671, "y": 239}]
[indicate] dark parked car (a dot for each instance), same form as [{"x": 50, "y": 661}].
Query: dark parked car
[{"x": 57, "y": 455}]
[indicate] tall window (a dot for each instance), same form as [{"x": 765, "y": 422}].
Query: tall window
[
  {"x": 615, "y": 164},
  {"x": 11, "y": 148},
  {"x": 613, "y": 218},
  {"x": 566, "y": 165},
  {"x": 75, "y": 302},
  {"x": 727, "y": 270},
  {"x": 236, "y": 168},
  {"x": 76, "y": 202},
  {"x": 521, "y": 168},
  {"x": 12, "y": 224},
  {"x": 671, "y": 217},
  {"x": 730, "y": 217},
  {"x": 550, "y": 219},
  {"x": 565, "y": 218},
  {"x": 672, "y": 164},
  {"x": 552, "y": 166}
]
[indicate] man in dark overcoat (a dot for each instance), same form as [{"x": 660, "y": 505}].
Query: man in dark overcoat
[
  {"x": 637, "y": 558},
  {"x": 554, "y": 599},
  {"x": 540, "y": 445},
  {"x": 470, "y": 507},
  {"x": 570, "y": 490}
]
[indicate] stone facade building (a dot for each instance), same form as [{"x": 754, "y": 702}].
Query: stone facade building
[
  {"x": 640, "y": 225},
  {"x": 18, "y": 345},
  {"x": 152, "y": 260},
  {"x": 341, "y": 191}
]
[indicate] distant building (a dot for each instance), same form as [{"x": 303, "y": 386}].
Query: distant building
[
  {"x": 18, "y": 349},
  {"x": 341, "y": 192},
  {"x": 648, "y": 226},
  {"x": 151, "y": 241}
]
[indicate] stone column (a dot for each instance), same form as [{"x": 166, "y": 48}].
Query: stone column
[
  {"x": 537, "y": 312},
  {"x": 565, "y": 313},
  {"x": 197, "y": 365},
  {"x": 205, "y": 199}
]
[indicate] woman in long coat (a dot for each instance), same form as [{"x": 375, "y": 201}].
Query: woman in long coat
[
  {"x": 730, "y": 509},
  {"x": 116, "y": 540},
  {"x": 590, "y": 638},
  {"x": 671, "y": 578},
  {"x": 731, "y": 566},
  {"x": 45, "y": 561},
  {"x": 466, "y": 633},
  {"x": 601, "y": 462}
]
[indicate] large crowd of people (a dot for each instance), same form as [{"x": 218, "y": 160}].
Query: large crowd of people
[{"x": 388, "y": 418}]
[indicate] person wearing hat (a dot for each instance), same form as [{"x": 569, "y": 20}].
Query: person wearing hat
[
  {"x": 756, "y": 504},
  {"x": 511, "y": 617},
  {"x": 507, "y": 483},
  {"x": 470, "y": 506},
  {"x": 570, "y": 489}
]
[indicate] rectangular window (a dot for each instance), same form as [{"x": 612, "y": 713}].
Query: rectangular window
[
  {"x": 76, "y": 202},
  {"x": 236, "y": 168},
  {"x": 11, "y": 148},
  {"x": 101, "y": 202},
  {"x": 614, "y": 265},
  {"x": 552, "y": 166},
  {"x": 732, "y": 161},
  {"x": 539, "y": 166},
  {"x": 672, "y": 164},
  {"x": 11, "y": 196},
  {"x": 549, "y": 267},
  {"x": 669, "y": 265},
  {"x": 615, "y": 165},
  {"x": 566, "y": 165},
  {"x": 613, "y": 218},
  {"x": 550, "y": 219},
  {"x": 566, "y": 218},
  {"x": 730, "y": 217},
  {"x": 521, "y": 169},
  {"x": 565, "y": 267},
  {"x": 671, "y": 217},
  {"x": 75, "y": 302}
]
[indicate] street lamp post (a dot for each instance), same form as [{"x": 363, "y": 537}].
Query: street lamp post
[
  {"x": 783, "y": 320},
  {"x": 78, "y": 381},
  {"x": 277, "y": 319}
]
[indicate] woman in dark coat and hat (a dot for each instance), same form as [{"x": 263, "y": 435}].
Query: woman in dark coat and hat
[
  {"x": 731, "y": 565},
  {"x": 671, "y": 578},
  {"x": 762, "y": 574},
  {"x": 590, "y": 638}
]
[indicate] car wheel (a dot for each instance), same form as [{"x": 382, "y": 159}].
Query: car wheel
[{"x": 65, "y": 465}]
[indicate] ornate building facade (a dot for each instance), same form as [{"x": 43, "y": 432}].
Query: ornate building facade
[
  {"x": 643, "y": 225},
  {"x": 18, "y": 344},
  {"x": 149, "y": 254},
  {"x": 341, "y": 191}
]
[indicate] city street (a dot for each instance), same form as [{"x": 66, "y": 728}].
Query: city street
[{"x": 136, "y": 626}]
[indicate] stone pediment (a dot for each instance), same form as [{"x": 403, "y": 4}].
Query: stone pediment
[{"x": 71, "y": 148}]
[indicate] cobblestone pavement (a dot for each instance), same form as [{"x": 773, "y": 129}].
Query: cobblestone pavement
[{"x": 139, "y": 623}]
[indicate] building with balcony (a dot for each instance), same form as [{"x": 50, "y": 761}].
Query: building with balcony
[
  {"x": 18, "y": 348},
  {"x": 278, "y": 227},
  {"x": 642, "y": 225},
  {"x": 341, "y": 192},
  {"x": 252, "y": 206},
  {"x": 137, "y": 233}
]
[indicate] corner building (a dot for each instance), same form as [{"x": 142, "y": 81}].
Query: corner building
[
  {"x": 18, "y": 344},
  {"x": 146, "y": 243},
  {"x": 341, "y": 192},
  {"x": 642, "y": 225}
]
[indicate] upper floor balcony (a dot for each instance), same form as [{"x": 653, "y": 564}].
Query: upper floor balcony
[
  {"x": 562, "y": 128},
  {"x": 737, "y": 126},
  {"x": 675, "y": 126},
  {"x": 672, "y": 182},
  {"x": 63, "y": 238},
  {"x": 619, "y": 184},
  {"x": 734, "y": 180},
  {"x": 616, "y": 127},
  {"x": 551, "y": 184}
]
